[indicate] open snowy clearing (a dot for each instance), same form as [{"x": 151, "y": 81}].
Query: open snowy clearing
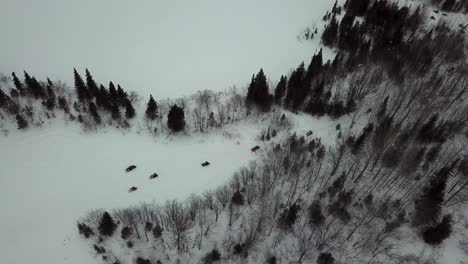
[{"x": 51, "y": 177}]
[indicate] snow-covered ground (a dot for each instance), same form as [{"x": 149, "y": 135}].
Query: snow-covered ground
[
  {"x": 167, "y": 48},
  {"x": 53, "y": 176}
]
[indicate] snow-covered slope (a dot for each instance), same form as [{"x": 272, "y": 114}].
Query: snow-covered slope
[{"x": 51, "y": 177}]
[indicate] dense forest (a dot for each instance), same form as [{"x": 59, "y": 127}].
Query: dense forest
[{"x": 398, "y": 174}]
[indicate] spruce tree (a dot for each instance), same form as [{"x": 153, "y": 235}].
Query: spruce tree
[
  {"x": 21, "y": 122},
  {"x": 112, "y": 93},
  {"x": 434, "y": 235},
  {"x": 91, "y": 84},
  {"x": 330, "y": 34},
  {"x": 129, "y": 110},
  {"x": 296, "y": 90},
  {"x": 176, "y": 119},
  {"x": 262, "y": 96},
  {"x": 250, "y": 98},
  {"x": 18, "y": 84},
  {"x": 428, "y": 207},
  {"x": 103, "y": 99},
  {"x": 151, "y": 109},
  {"x": 107, "y": 225},
  {"x": 121, "y": 95},
  {"x": 115, "y": 112},
  {"x": 280, "y": 90},
  {"x": 94, "y": 112},
  {"x": 80, "y": 87}
]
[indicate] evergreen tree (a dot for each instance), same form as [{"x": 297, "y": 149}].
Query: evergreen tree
[
  {"x": 36, "y": 88},
  {"x": 112, "y": 93},
  {"x": 258, "y": 93},
  {"x": 51, "y": 98},
  {"x": 121, "y": 95},
  {"x": 91, "y": 84},
  {"x": 357, "y": 7},
  {"x": 434, "y": 235},
  {"x": 80, "y": 87},
  {"x": 4, "y": 99},
  {"x": 447, "y": 6},
  {"x": 103, "y": 99},
  {"x": 21, "y": 122},
  {"x": 296, "y": 90},
  {"x": 428, "y": 207},
  {"x": 280, "y": 90},
  {"x": 18, "y": 84},
  {"x": 94, "y": 112},
  {"x": 330, "y": 34},
  {"x": 115, "y": 112},
  {"x": 315, "y": 66},
  {"x": 152, "y": 109},
  {"x": 176, "y": 119},
  {"x": 129, "y": 110},
  {"x": 107, "y": 225}
]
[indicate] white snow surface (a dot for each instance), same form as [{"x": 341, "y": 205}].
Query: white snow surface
[{"x": 53, "y": 176}]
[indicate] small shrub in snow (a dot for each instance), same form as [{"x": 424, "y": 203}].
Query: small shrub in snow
[
  {"x": 157, "y": 231},
  {"x": 237, "y": 198},
  {"x": 288, "y": 217},
  {"x": 325, "y": 258},
  {"x": 126, "y": 232},
  {"x": 238, "y": 248},
  {"x": 140, "y": 260},
  {"x": 85, "y": 230},
  {"x": 130, "y": 244},
  {"x": 271, "y": 260},
  {"x": 107, "y": 225},
  {"x": 99, "y": 250},
  {"x": 212, "y": 257}
]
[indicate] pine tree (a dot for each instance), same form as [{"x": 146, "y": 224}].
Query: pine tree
[
  {"x": 296, "y": 90},
  {"x": 36, "y": 88},
  {"x": 91, "y": 84},
  {"x": 103, "y": 99},
  {"x": 262, "y": 95},
  {"x": 129, "y": 110},
  {"x": 94, "y": 112},
  {"x": 112, "y": 93},
  {"x": 80, "y": 87},
  {"x": 21, "y": 122},
  {"x": 258, "y": 93},
  {"x": 176, "y": 119},
  {"x": 447, "y": 6},
  {"x": 115, "y": 112},
  {"x": 18, "y": 84},
  {"x": 315, "y": 66},
  {"x": 51, "y": 98},
  {"x": 428, "y": 207},
  {"x": 121, "y": 95},
  {"x": 434, "y": 235},
  {"x": 152, "y": 109},
  {"x": 107, "y": 225},
  {"x": 330, "y": 34},
  {"x": 280, "y": 90},
  {"x": 249, "y": 99}
]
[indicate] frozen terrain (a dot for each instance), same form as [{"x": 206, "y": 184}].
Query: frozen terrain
[
  {"x": 47, "y": 194},
  {"x": 167, "y": 48}
]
